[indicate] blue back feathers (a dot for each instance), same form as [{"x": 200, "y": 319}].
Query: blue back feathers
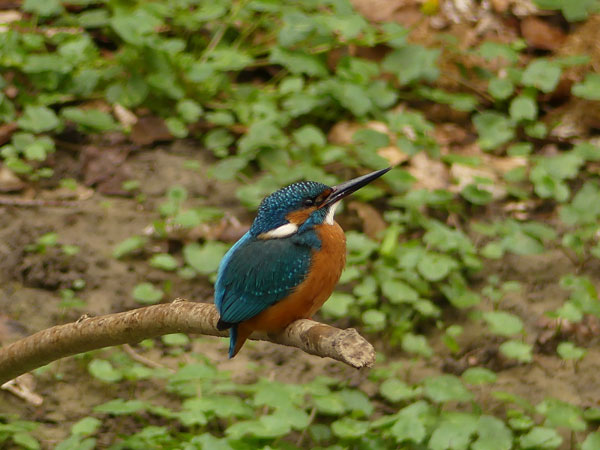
[{"x": 274, "y": 208}]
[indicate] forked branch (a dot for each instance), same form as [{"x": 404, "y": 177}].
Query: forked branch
[{"x": 180, "y": 316}]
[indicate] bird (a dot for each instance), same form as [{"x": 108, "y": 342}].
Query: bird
[{"x": 288, "y": 263}]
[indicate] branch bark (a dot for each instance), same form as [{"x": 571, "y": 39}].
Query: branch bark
[{"x": 179, "y": 316}]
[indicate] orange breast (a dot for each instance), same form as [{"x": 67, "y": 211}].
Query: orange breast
[{"x": 325, "y": 271}]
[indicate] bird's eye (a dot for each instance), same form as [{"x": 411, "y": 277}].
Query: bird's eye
[{"x": 308, "y": 202}]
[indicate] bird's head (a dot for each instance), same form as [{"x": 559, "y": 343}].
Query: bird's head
[{"x": 303, "y": 205}]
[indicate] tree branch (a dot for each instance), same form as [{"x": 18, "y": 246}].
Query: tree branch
[{"x": 180, "y": 316}]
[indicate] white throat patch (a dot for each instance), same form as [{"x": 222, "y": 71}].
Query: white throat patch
[
  {"x": 280, "y": 232},
  {"x": 329, "y": 219}
]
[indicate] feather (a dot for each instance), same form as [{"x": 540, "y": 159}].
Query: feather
[
  {"x": 256, "y": 274},
  {"x": 232, "y": 341}
]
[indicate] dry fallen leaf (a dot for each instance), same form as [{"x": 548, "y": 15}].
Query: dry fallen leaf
[
  {"x": 372, "y": 221},
  {"x": 341, "y": 133},
  {"x": 124, "y": 116},
  {"x": 9, "y": 182},
  {"x": 465, "y": 175},
  {"x": 383, "y": 10},
  {"x": 430, "y": 173},
  {"x": 22, "y": 387},
  {"x": 540, "y": 34},
  {"x": 393, "y": 155},
  {"x": 148, "y": 130},
  {"x": 6, "y": 132},
  {"x": 104, "y": 167}
]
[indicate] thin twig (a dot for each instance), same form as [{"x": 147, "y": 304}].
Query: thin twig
[
  {"x": 20, "y": 387},
  {"x": 29, "y": 202},
  {"x": 143, "y": 360}
]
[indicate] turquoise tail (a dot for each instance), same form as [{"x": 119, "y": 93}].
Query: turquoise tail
[{"x": 232, "y": 340}]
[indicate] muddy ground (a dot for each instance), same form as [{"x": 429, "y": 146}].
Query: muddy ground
[{"x": 30, "y": 284}]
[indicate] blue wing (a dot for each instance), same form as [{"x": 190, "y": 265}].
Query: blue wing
[{"x": 256, "y": 274}]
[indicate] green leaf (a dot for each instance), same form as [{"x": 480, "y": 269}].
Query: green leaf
[
  {"x": 347, "y": 428},
  {"x": 478, "y": 376},
  {"x": 568, "y": 350},
  {"x": 204, "y": 259},
  {"x": 86, "y": 426},
  {"x": 189, "y": 110},
  {"x": 104, "y": 371},
  {"x": 460, "y": 295},
  {"x": 298, "y": 62},
  {"x": 412, "y": 63},
  {"x": 494, "y": 129},
  {"x": 49, "y": 65},
  {"x": 518, "y": 420},
  {"x": 351, "y": 96},
  {"x": 357, "y": 402},
  {"x": 589, "y": 88},
  {"x": 135, "y": 27},
  {"x": 436, "y": 266},
  {"x": 296, "y": 27},
  {"x": 175, "y": 339},
  {"x": 120, "y": 407},
  {"x": 330, "y": 404},
  {"x": 417, "y": 344},
  {"x": 176, "y": 127},
  {"x": 542, "y": 74},
  {"x": 523, "y": 107},
  {"x": 413, "y": 422},
  {"x": 374, "y": 319},
  {"x": 491, "y": 50},
  {"x": 493, "y": 434},
  {"x": 26, "y": 440},
  {"x": 500, "y": 88},
  {"x": 129, "y": 245},
  {"x": 540, "y": 438},
  {"x": 476, "y": 195},
  {"x": 94, "y": 18},
  {"x": 396, "y": 390},
  {"x": 399, "y": 292},
  {"x": 503, "y": 323},
  {"x": 522, "y": 244},
  {"x": 493, "y": 250},
  {"x": 517, "y": 350},
  {"x": 147, "y": 294},
  {"x": 446, "y": 388},
  {"x": 338, "y": 305},
  {"x": 229, "y": 58},
  {"x": 130, "y": 93},
  {"x": 164, "y": 261},
  {"x": 592, "y": 441},
  {"x": 572, "y": 10},
  {"x": 7, "y": 109},
  {"x": 90, "y": 119},
  {"x": 38, "y": 119},
  {"x": 44, "y": 8},
  {"x": 562, "y": 414},
  {"x": 454, "y": 431},
  {"x": 360, "y": 247},
  {"x": 537, "y": 130}
]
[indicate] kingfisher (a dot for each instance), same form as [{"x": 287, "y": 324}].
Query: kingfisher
[{"x": 287, "y": 264}]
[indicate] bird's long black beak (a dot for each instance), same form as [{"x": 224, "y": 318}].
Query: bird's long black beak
[{"x": 348, "y": 187}]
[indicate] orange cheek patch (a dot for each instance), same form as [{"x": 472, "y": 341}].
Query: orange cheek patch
[
  {"x": 299, "y": 217},
  {"x": 321, "y": 198}
]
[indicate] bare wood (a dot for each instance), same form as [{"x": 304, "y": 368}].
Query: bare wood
[{"x": 180, "y": 316}]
